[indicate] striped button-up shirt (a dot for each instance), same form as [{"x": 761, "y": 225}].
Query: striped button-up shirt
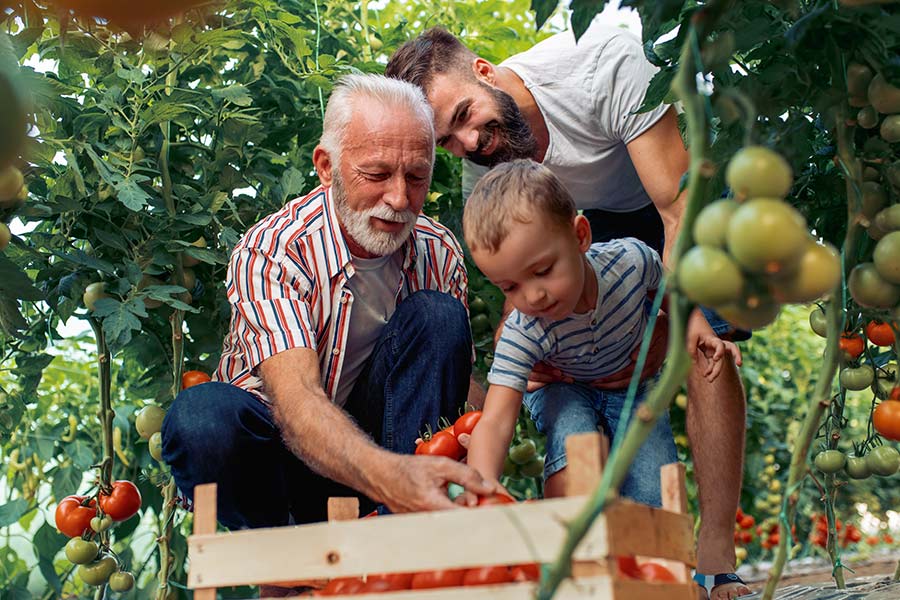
[{"x": 287, "y": 286}]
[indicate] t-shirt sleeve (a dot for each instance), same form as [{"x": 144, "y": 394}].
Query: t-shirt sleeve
[
  {"x": 269, "y": 297},
  {"x": 518, "y": 350},
  {"x": 621, "y": 81}
]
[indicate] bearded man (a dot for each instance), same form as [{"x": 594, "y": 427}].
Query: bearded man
[
  {"x": 349, "y": 331},
  {"x": 574, "y": 107}
]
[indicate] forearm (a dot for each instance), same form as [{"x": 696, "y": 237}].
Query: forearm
[
  {"x": 671, "y": 218},
  {"x": 491, "y": 437},
  {"x": 319, "y": 433}
]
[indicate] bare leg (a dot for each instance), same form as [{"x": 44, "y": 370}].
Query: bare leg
[
  {"x": 716, "y": 430},
  {"x": 555, "y": 486}
]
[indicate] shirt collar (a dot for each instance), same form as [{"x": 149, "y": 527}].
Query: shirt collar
[{"x": 335, "y": 235}]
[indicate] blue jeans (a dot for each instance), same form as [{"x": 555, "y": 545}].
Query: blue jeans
[
  {"x": 216, "y": 432},
  {"x": 561, "y": 409}
]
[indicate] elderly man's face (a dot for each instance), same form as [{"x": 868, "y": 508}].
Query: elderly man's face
[
  {"x": 380, "y": 185},
  {"x": 475, "y": 120}
]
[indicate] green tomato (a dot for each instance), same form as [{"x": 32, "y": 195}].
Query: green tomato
[
  {"x": 155, "y": 445},
  {"x": 883, "y": 460},
  {"x": 830, "y": 461},
  {"x": 535, "y": 468},
  {"x": 709, "y": 276},
  {"x": 510, "y": 469},
  {"x": 744, "y": 316},
  {"x": 523, "y": 452},
  {"x": 857, "y": 379},
  {"x": 857, "y": 467},
  {"x": 478, "y": 306},
  {"x": 81, "y": 552},
  {"x": 92, "y": 293},
  {"x": 97, "y": 573},
  {"x": 818, "y": 321},
  {"x": 756, "y": 171},
  {"x": 870, "y": 289},
  {"x": 149, "y": 420},
  {"x": 99, "y": 524},
  {"x": 767, "y": 236},
  {"x": 887, "y": 257},
  {"x": 711, "y": 223},
  {"x": 481, "y": 325},
  {"x": 817, "y": 273},
  {"x": 5, "y": 236},
  {"x": 121, "y": 581}
]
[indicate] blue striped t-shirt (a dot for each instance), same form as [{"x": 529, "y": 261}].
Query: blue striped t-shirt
[{"x": 590, "y": 345}]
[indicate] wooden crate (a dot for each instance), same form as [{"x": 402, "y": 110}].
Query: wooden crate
[{"x": 493, "y": 535}]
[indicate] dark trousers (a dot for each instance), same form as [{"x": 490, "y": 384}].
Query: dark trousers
[{"x": 216, "y": 432}]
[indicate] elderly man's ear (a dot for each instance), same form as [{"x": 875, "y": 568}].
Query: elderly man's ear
[{"x": 323, "y": 164}]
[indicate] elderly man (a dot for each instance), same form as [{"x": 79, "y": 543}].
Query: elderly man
[
  {"x": 349, "y": 331},
  {"x": 572, "y": 107}
]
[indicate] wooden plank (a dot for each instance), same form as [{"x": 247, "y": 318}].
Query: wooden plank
[
  {"x": 506, "y": 534},
  {"x": 205, "y": 499},
  {"x": 674, "y": 499},
  {"x": 641, "y": 530},
  {"x": 341, "y": 508},
  {"x": 599, "y": 588},
  {"x": 585, "y": 457}
]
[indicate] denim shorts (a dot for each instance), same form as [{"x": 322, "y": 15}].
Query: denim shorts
[{"x": 561, "y": 409}]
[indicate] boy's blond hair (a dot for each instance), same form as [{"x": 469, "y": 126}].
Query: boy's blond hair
[{"x": 520, "y": 190}]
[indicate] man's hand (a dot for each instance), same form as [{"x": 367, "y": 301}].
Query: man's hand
[
  {"x": 419, "y": 483},
  {"x": 656, "y": 355},
  {"x": 705, "y": 345}
]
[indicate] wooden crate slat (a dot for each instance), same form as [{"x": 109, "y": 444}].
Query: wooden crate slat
[
  {"x": 492, "y": 535},
  {"x": 645, "y": 531},
  {"x": 597, "y": 588},
  {"x": 205, "y": 496}
]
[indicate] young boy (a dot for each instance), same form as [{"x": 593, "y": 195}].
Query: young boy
[{"x": 580, "y": 308}]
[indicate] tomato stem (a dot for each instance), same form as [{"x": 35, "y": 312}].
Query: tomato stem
[{"x": 104, "y": 376}]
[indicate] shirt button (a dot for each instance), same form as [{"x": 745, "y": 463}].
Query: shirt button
[
  {"x": 344, "y": 300},
  {"x": 596, "y": 350},
  {"x": 335, "y": 351},
  {"x": 593, "y": 321}
]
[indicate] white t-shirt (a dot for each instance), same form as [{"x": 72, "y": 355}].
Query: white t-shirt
[
  {"x": 374, "y": 286},
  {"x": 586, "y": 93}
]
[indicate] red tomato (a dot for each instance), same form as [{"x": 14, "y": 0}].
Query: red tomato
[
  {"x": 628, "y": 567},
  {"x": 394, "y": 581},
  {"x": 466, "y": 423},
  {"x": 852, "y": 344},
  {"x": 651, "y": 571},
  {"x": 526, "y": 572},
  {"x": 872, "y": 540},
  {"x": 880, "y": 333},
  {"x": 888, "y": 538},
  {"x": 819, "y": 539},
  {"x": 439, "y": 578},
  {"x": 747, "y": 522},
  {"x": 123, "y": 502},
  {"x": 746, "y": 537},
  {"x": 442, "y": 443},
  {"x": 774, "y": 539},
  {"x": 495, "y": 499},
  {"x": 886, "y": 419},
  {"x": 342, "y": 585},
  {"x": 192, "y": 378},
  {"x": 73, "y": 518},
  {"x": 854, "y": 535},
  {"x": 488, "y": 575},
  {"x": 739, "y": 515}
]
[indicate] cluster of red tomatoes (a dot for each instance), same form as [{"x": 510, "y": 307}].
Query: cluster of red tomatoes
[
  {"x": 743, "y": 528},
  {"x": 446, "y": 441},
  {"x": 78, "y": 518},
  {"x": 424, "y": 580},
  {"x": 846, "y": 535}
]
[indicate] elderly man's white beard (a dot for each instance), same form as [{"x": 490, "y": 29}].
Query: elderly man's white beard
[{"x": 358, "y": 227}]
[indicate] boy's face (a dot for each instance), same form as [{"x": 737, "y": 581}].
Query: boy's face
[{"x": 541, "y": 267}]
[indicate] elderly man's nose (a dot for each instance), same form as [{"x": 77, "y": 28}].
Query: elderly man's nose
[{"x": 397, "y": 194}]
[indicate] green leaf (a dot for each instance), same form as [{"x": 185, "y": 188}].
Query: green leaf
[
  {"x": 12, "y": 408},
  {"x": 131, "y": 75},
  {"x": 658, "y": 89},
  {"x": 164, "y": 111},
  {"x": 28, "y": 372},
  {"x": 48, "y": 542},
  {"x": 14, "y": 283},
  {"x": 79, "y": 257},
  {"x": 131, "y": 194},
  {"x": 236, "y": 94},
  {"x": 120, "y": 320},
  {"x": 12, "y": 511},
  {"x": 65, "y": 481},
  {"x": 81, "y": 453},
  {"x": 11, "y": 319},
  {"x": 583, "y": 12},
  {"x": 542, "y": 11}
]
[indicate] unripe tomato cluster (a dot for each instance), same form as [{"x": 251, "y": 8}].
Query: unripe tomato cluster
[
  {"x": 754, "y": 251},
  {"x": 148, "y": 422}
]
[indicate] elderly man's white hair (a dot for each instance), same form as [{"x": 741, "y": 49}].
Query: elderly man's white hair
[{"x": 377, "y": 90}]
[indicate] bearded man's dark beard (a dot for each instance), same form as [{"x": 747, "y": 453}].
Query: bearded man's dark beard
[{"x": 516, "y": 139}]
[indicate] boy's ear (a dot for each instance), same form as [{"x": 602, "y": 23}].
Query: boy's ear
[{"x": 583, "y": 232}]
